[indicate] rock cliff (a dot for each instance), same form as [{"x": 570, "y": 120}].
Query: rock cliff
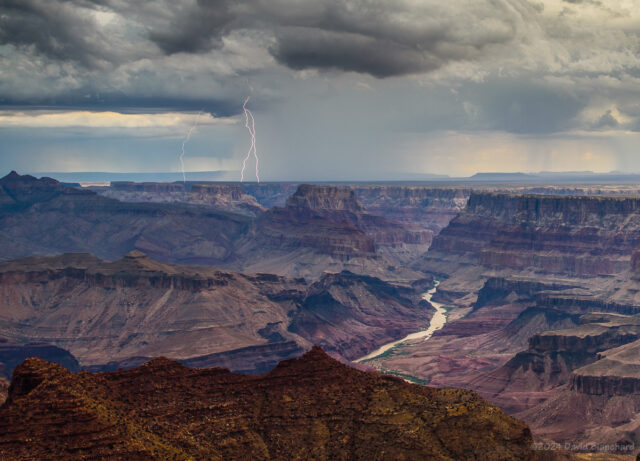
[
  {"x": 570, "y": 235},
  {"x": 304, "y": 238},
  {"x": 46, "y": 218},
  {"x": 427, "y": 207}
]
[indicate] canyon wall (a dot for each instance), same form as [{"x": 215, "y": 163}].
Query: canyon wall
[
  {"x": 222, "y": 197},
  {"x": 110, "y": 313}
]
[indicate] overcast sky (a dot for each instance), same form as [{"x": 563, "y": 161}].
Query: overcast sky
[{"x": 340, "y": 89}]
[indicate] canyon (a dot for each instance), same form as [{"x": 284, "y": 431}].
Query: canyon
[
  {"x": 542, "y": 297},
  {"x": 540, "y": 286}
]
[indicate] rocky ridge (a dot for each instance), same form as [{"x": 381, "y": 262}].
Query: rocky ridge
[{"x": 312, "y": 407}]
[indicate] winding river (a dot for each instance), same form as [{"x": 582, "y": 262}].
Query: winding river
[{"x": 437, "y": 322}]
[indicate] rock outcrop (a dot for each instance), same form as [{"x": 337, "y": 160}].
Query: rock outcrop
[
  {"x": 569, "y": 235},
  {"x": 311, "y": 407},
  {"x": 616, "y": 372}
]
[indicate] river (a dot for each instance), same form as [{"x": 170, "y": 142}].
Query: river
[{"x": 437, "y": 322}]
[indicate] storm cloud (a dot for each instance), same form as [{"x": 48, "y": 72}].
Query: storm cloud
[
  {"x": 58, "y": 30},
  {"x": 334, "y": 81}
]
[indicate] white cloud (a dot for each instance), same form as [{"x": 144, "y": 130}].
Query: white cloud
[{"x": 106, "y": 119}]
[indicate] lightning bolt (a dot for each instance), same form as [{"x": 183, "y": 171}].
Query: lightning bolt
[
  {"x": 250, "y": 124},
  {"x": 184, "y": 142}
]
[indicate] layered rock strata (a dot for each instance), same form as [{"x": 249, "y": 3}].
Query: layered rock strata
[{"x": 136, "y": 307}]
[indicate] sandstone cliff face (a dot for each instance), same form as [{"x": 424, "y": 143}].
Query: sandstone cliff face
[
  {"x": 588, "y": 338},
  {"x": 605, "y": 385},
  {"x": 312, "y": 407},
  {"x": 458, "y": 246},
  {"x": 573, "y": 235},
  {"x": 550, "y": 234},
  {"x": 331, "y": 198},
  {"x": 616, "y": 372},
  {"x": 553, "y": 356},
  {"x": 119, "y": 313},
  {"x": 341, "y": 204}
]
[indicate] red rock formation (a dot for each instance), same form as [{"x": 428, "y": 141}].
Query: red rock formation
[
  {"x": 325, "y": 228},
  {"x": 327, "y": 198},
  {"x": 312, "y": 407},
  {"x": 588, "y": 235}
]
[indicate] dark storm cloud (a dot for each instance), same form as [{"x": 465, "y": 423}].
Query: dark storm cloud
[
  {"x": 194, "y": 54},
  {"x": 384, "y": 39},
  {"x": 122, "y": 103},
  {"x": 195, "y": 30},
  {"x": 378, "y": 38},
  {"x": 301, "y": 48},
  {"x": 56, "y": 29}
]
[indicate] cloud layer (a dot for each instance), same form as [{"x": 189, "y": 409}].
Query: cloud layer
[{"x": 367, "y": 68}]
